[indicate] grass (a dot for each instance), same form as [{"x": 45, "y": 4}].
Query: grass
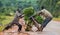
[
  {"x": 56, "y": 19},
  {"x": 5, "y": 21}
]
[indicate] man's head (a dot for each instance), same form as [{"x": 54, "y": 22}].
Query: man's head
[
  {"x": 21, "y": 16},
  {"x": 19, "y": 10},
  {"x": 42, "y": 7}
]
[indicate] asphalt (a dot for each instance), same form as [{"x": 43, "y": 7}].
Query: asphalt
[{"x": 53, "y": 28}]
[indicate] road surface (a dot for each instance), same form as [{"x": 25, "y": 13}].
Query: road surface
[{"x": 53, "y": 28}]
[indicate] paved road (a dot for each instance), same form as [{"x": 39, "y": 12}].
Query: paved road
[{"x": 53, "y": 28}]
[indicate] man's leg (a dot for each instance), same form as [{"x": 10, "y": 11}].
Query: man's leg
[
  {"x": 45, "y": 22},
  {"x": 20, "y": 27}
]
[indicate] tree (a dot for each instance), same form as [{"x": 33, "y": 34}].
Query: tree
[{"x": 1, "y": 4}]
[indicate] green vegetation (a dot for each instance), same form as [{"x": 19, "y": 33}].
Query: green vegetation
[
  {"x": 28, "y": 12},
  {"x": 5, "y": 20},
  {"x": 8, "y": 6},
  {"x": 56, "y": 19},
  {"x": 39, "y": 19}
]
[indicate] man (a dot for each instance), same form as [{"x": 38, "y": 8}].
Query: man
[
  {"x": 18, "y": 16},
  {"x": 48, "y": 18}
]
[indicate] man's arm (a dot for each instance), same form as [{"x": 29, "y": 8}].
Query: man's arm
[{"x": 37, "y": 13}]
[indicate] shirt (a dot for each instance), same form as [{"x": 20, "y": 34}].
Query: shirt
[{"x": 46, "y": 13}]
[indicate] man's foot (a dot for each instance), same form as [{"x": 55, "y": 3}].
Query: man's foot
[{"x": 40, "y": 29}]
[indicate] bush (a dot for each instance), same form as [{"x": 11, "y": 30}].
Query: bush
[
  {"x": 29, "y": 12},
  {"x": 39, "y": 19}
]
